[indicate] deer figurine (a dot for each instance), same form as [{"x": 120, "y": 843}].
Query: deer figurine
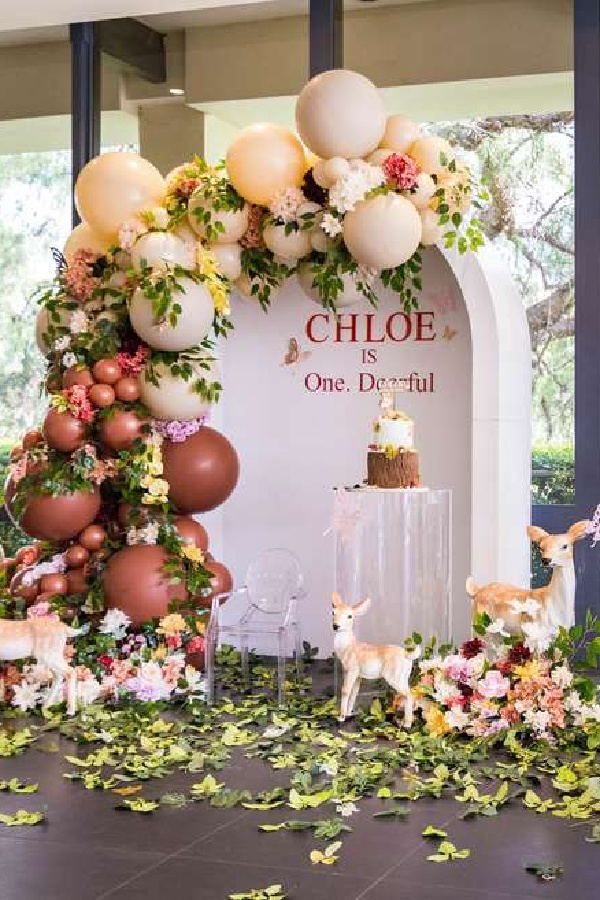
[
  {"x": 555, "y": 602},
  {"x": 371, "y": 661},
  {"x": 44, "y": 639}
]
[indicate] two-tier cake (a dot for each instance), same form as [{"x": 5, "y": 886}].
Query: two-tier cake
[{"x": 392, "y": 461}]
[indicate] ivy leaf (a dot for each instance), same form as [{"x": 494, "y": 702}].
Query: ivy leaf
[
  {"x": 14, "y": 786},
  {"x": 447, "y": 852},
  {"x": 22, "y": 817},
  {"x": 432, "y": 832},
  {"x": 394, "y": 812},
  {"x": 272, "y": 892},
  {"x": 326, "y": 857},
  {"x": 545, "y": 871},
  {"x": 227, "y": 798},
  {"x": 139, "y": 805}
]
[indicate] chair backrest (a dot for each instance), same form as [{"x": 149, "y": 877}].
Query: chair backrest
[{"x": 273, "y": 579}]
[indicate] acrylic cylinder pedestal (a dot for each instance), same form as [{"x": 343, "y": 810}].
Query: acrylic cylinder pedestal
[{"x": 394, "y": 546}]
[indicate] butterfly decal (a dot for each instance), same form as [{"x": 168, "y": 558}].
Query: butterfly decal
[
  {"x": 294, "y": 354},
  {"x": 59, "y": 260},
  {"x": 449, "y": 333}
]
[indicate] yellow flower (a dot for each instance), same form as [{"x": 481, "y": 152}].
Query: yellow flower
[
  {"x": 200, "y": 626},
  {"x": 159, "y": 653},
  {"x": 193, "y": 553},
  {"x": 529, "y": 671},
  {"x": 220, "y": 295},
  {"x": 435, "y": 722},
  {"x": 174, "y": 623},
  {"x": 156, "y": 487},
  {"x": 207, "y": 262}
]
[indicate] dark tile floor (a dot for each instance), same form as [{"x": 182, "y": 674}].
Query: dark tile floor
[{"x": 88, "y": 851}]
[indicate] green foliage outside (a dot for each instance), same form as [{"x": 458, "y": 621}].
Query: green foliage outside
[{"x": 552, "y": 474}]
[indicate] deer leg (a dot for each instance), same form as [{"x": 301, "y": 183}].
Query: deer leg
[
  {"x": 353, "y": 695},
  {"x": 408, "y": 709},
  {"x": 347, "y": 685}
]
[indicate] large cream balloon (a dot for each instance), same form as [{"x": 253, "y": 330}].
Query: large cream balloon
[
  {"x": 340, "y": 113},
  {"x": 431, "y": 231},
  {"x": 432, "y": 154},
  {"x": 382, "y": 232},
  {"x": 161, "y": 249},
  {"x": 348, "y": 297},
  {"x": 290, "y": 247},
  {"x": 232, "y": 223},
  {"x": 263, "y": 160},
  {"x": 113, "y": 187},
  {"x": 175, "y": 398},
  {"x": 83, "y": 238},
  {"x": 423, "y": 191},
  {"x": 229, "y": 259},
  {"x": 400, "y": 132},
  {"x": 193, "y": 323}
]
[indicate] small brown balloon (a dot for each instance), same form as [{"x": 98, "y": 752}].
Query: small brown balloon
[
  {"x": 102, "y": 395},
  {"x": 107, "y": 371},
  {"x": 28, "y": 592},
  {"x": 127, "y": 390},
  {"x": 32, "y": 439},
  {"x": 77, "y": 581},
  {"x": 221, "y": 582},
  {"x": 75, "y": 375},
  {"x": 120, "y": 430},
  {"x": 54, "y": 583},
  {"x": 191, "y": 532},
  {"x": 76, "y": 556},
  {"x": 63, "y": 431},
  {"x": 92, "y": 537},
  {"x": 53, "y": 382}
]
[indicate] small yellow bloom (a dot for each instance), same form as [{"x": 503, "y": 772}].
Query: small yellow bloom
[
  {"x": 200, "y": 626},
  {"x": 529, "y": 671},
  {"x": 174, "y": 623},
  {"x": 159, "y": 653},
  {"x": 207, "y": 262},
  {"x": 436, "y": 722},
  {"x": 193, "y": 553}
]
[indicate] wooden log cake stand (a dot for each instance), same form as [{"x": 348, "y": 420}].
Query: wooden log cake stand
[{"x": 393, "y": 470}]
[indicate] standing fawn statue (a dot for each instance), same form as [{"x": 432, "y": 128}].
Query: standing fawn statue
[
  {"x": 44, "y": 639},
  {"x": 371, "y": 661},
  {"x": 555, "y": 601}
]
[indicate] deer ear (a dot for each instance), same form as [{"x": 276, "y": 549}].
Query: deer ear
[
  {"x": 535, "y": 533},
  {"x": 336, "y": 600},
  {"x": 360, "y": 608},
  {"x": 578, "y": 530}
]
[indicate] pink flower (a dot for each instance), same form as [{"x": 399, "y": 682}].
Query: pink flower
[
  {"x": 177, "y": 432},
  {"x": 173, "y": 641},
  {"x": 493, "y": 684},
  {"x": 196, "y": 645},
  {"x": 41, "y": 610},
  {"x": 133, "y": 363},
  {"x": 80, "y": 405},
  {"x": 122, "y": 669},
  {"x": 252, "y": 237},
  {"x": 402, "y": 170},
  {"x": 78, "y": 277}
]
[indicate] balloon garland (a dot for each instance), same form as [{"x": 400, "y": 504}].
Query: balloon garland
[{"x": 130, "y": 325}]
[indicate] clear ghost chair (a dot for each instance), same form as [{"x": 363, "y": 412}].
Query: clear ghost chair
[{"x": 273, "y": 586}]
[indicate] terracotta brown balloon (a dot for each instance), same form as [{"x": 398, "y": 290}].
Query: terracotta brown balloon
[
  {"x": 135, "y": 581},
  {"x": 63, "y": 431},
  {"x": 127, "y": 390},
  {"x": 54, "y": 583},
  {"x": 16, "y": 453},
  {"x": 221, "y": 582},
  {"x": 76, "y": 556},
  {"x": 92, "y": 537},
  {"x": 102, "y": 395},
  {"x": 56, "y": 518},
  {"x": 77, "y": 580},
  {"x": 107, "y": 371},
  {"x": 191, "y": 532},
  {"x": 202, "y": 471},
  {"x": 32, "y": 439},
  {"x": 120, "y": 430},
  {"x": 75, "y": 375}
]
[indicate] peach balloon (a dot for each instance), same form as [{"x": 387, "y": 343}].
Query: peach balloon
[
  {"x": 400, "y": 132},
  {"x": 382, "y": 232},
  {"x": 340, "y": 113},
  {"x": 263, "y": 160},
  {"x": 423, "y": 191},
  {"x": 113, "y": 187},
  {"x": 83, "y": 238},
  {"x": 432, "y": 154}
]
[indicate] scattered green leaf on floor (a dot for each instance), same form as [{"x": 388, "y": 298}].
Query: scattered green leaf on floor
[
  {"x": 447, "y": 852},
  {"x": 272, "y": 892},
  {"x": 545, "y": 871},
  {"x": 326, "y": 857},
  {"x": 14, "y": 786},
  {"x": 394, "y": 812},
  {"x": 139, "y": 805},
  {"x": 431, "y": 831},
  {"x": 22, "y": 817}
]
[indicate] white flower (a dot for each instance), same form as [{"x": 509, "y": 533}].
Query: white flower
[
  {"x": 456, "y": 718},
  {"x": 196, "y": 681},
  {"x": 352, "y": 187},
  {"x": 539, "y": 719},
  {"x": 156, "y": 217},
  {"x": 88, "y": 691},
  {"x": 426, "y": 665},
  {"x": 36, "y": 674},
  {"x": 497, "y": 627},
  {"x": 328, "y": 767},
  {"x": 528, "y": 607},
  {"x": 562, "y": 676},
  {"x": 115, "y": 622},
  {"x": 285, "y": 204},
  {"x": 26, "y": 696},
  {"x": 78, "y": 322},
  {"x": 130, "y": 231},
  {"x": 275, "y": 731},
  {"x": 68, "y": 360},
  {"x": 573, "y": 702},
  {"x": 444, "y": 690},
  {"x": 62, "y": 343},
  {"x": 537, "y": 636},
  {"x": 346, "y": 809},
  {"x": 49, "y": 567},
  {"x": 590, "y": 712},
  {"x": 331, "y": 225}
]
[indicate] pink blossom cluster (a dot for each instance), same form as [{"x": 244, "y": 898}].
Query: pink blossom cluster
[
  {"x": 79, "y": 403},
  {"x": 252, "y": 237},
  {"x": 177, "y": 431},
  {"x": 78, "y": 278},
  {"x": 402, "y": 170},
  {"x": 133, "y": 363}
]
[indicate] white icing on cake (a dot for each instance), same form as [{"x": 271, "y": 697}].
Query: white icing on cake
[{"x": 394, "y": 429}]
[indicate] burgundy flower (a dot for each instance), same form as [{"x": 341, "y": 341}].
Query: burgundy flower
[
  {"x": 106, "y": 661},
  {"x": 465, "y": 689},
  {"x": 313, "y": 191},
  {"x": 402, "y": 170},
  {"x": 471, "y": 648},
  {"x": 518, "y": 654}
]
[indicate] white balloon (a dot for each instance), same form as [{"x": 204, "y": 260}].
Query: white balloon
[
  {"x": 382, "y": 232},
  {"x": 336, "y": 168},
  {"x": 432, "y": 154},
  {"x": 320, "y": 176},
  {"x": 234, "y": 221},
  {"x": 319, "y": 240},
  {"x": 290, "y": 246},
  {"x": 193, "y": 323},
  {"x": 348, "y": 297},
  {"x": 229, "y": 259},
  {"x": 159, "y": 249},
  {"x": 340, "y": 113},
  {"x": 431, "y": 231},
  {"x": 423, "y": 191},
  {"x": 175, "y": 398},
  {"x": 400, "y": 132}
]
